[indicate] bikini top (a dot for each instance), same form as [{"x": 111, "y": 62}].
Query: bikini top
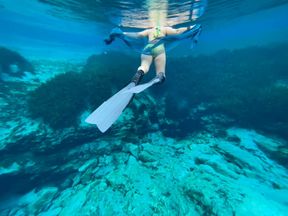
[{"x": 158, "y": 33}]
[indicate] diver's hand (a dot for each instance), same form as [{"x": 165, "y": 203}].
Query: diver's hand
[{"x": 116, "y": 32}]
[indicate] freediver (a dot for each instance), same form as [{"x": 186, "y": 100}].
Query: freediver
[
  {"x": 150, "y": 53},
  {"x": 109, "y": 111}
]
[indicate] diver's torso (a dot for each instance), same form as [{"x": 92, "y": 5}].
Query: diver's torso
[{"x": 156, "y": 33}]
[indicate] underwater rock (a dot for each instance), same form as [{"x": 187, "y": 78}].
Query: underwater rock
[
  {"x": 148, "y": 153},
  {"x": 86, "y": 165},
  {"x": 275, "y": 148},
  {"x": 146, "y": 157},
  {"x": 212, "y": 195},
  {"x": 55, "y": 211},
  {"x": 255, "y": 204},
  {"x": 13, "y": 63},
  {"x": 241, "y": 157},
  {"x": 188, "y": 177},
  {"x": 11, "y": 169},
  {"x": 36, "y": 200},
  {"x": 76, "y": 201},
  {"x": 132, "y": 149},
  {"x": 220, "y": 196}
]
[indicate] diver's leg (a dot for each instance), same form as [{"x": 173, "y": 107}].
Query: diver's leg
[
  {"x": 160, "y": 65},
  {"x": 146, "y": 61},
  {"x": 160, "y": 62}
]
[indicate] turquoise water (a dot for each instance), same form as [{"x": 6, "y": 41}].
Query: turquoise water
[{"x": 211, "y": 140}]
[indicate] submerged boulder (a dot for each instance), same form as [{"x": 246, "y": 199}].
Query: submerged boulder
[{"x": 13, "y": 63}]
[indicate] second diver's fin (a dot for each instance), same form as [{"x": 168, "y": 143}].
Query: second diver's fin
[
  {"x": 109, "y": 111},
  {"x": 139, "y": 88}
]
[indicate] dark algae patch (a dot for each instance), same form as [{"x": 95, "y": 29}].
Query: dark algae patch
[
  {"x": 59, "y": 101},
  {"x": 248, "y": 85}
]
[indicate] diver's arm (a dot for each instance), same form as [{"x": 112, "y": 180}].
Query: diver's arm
[
  {"x": 118, "y": 33},
  {"x": 137, "y": 35},
  {"x": 172, "y": 31}
]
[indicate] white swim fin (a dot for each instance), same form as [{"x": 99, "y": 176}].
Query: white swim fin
[{"x": 109, "y": 111}]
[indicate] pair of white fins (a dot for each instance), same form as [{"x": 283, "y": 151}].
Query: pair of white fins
[{"x": 109, "y": 111}]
